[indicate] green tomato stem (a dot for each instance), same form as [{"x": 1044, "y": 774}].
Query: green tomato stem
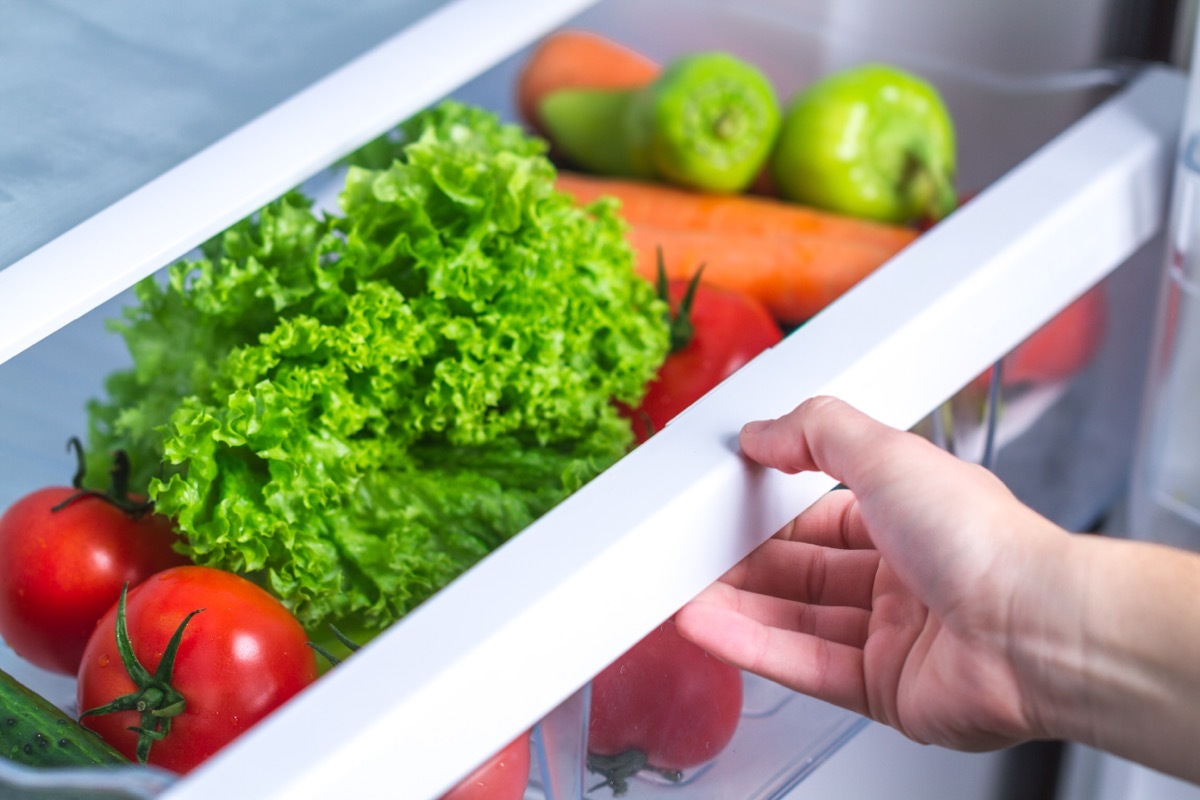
[
  {"x": 333, "y": 660},
  {"x": 155, "y": 698},
  {"x": 118, "y": 491},
  {"x": 682, "y": 331},
  {"x": 618, "y": 769}
]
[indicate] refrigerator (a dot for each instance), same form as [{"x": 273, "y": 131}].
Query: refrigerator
[{"x": 134, "y": 133}]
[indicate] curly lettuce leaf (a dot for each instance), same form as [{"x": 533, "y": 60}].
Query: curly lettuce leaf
[
  {"x": 355, "y": 409},
  {"x": 466, "y": 125}
]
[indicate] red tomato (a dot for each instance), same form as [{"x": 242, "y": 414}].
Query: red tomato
[
  {"x": 238, "y": 660},
  {"x": 1060, "y": 348},
  {"x": 504, "y": 776},
  {"x": 61, "y": 570},
  {"x": 667, "y": 700},
  {"x": 1064, "y": 345},
  {"x": 728, "y": 330}
]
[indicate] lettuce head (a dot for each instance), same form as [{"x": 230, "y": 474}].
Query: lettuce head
[{"x": 353, "y": 408}]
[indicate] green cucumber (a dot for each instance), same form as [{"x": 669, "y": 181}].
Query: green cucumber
[{"x": 35, "y": 732}]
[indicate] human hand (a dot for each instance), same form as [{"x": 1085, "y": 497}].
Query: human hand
[{"x": 909, "y": 598}]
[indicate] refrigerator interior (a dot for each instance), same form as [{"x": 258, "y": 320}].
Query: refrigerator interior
[{"x": 1062, "y": 445}]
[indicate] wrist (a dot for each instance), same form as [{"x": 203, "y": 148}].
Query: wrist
[
  {"x": 1112, "y": 664},
  {"x": 1047, "y": 640}
]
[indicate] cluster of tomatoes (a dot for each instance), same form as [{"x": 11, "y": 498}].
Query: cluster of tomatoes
[
  {"x": 204, "y": 654},
  {"x": 76, "y": 566},
  {"x": 66, "y": 557}
]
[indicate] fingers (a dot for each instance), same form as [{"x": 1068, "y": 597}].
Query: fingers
[
  {"x": 825, "y": 669},
  {"x": 835, "y": 520},
  {"x": 940, "y": 523},
  {"x": 924, "y": 508},
  {"x": 843, "y": 624},
  {"x": 806, "y": 573}
]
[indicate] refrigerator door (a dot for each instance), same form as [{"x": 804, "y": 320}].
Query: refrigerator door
[{"x": 522, "y": 632}]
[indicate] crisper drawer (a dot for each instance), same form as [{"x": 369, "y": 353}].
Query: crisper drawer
[{"x": 1074, "y": 201}]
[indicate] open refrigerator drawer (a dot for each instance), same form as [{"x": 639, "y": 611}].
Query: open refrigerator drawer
[{"x": 1070, "y": 175}]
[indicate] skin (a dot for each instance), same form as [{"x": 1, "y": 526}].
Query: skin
[{"x": 928, "y": 598}]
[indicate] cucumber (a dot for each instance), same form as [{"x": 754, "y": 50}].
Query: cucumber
[{"x": 37, "y": 733}]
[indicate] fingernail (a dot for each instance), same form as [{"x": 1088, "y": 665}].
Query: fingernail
[{"x": 756, "y": 426}]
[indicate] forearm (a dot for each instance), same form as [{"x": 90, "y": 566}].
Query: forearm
[{"x": 1119, "y": 660}]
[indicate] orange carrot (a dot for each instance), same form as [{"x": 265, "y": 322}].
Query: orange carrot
[
  {"x": 794, "y": 259},
  {"x": 793, "y": 275},
  {"x": 574, "y": 59},
  {"x": 645, "y": 204}
]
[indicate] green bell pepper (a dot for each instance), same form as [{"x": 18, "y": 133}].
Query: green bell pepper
[
  {"x": 708, "y": 122},
  {"x": 871, "y": 141}
]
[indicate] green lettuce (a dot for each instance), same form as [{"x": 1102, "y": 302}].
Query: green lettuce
[{"x": 354, "y": 408}]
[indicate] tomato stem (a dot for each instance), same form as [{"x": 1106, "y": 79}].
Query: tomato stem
[
  {"x": 679, "y": 321},
  {"x": 155, "y": 698},
  {"x": 117, "y": 494},
  {"x": 618, "y": 769},
  {"x": 333, "y": 660},
  {"x": 640, "y": 417}
]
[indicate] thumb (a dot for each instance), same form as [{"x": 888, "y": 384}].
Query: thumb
[{"x": 827, "y": 435}]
